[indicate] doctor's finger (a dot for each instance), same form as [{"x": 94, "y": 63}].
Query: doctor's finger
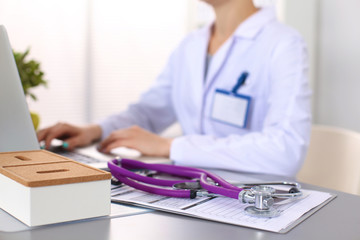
[
  {"x": 115, "y": 136},
  {"x": 58, "y": 131},
  {"x": 118, "y": 142},
  {"x": 115, "y": 144},
  {"x": 73, "y": 142},
  {"x": 41, "y": 134}
]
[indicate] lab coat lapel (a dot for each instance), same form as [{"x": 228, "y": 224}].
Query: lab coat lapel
[
  {"x": 198, "y": 53},
  {"x": 246, "y": 31},
  {"x": 218, "y": 61}
]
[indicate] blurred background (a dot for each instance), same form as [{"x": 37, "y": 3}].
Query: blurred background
[{"x": 100, "y": 55}]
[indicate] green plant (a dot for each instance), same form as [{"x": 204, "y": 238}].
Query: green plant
[{"x": 30, "y": 73}]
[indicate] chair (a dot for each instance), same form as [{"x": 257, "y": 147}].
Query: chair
[{"x": 333, "y": 159}]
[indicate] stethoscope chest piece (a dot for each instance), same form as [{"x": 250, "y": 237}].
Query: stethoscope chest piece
[{"x": 263, "y": 200}]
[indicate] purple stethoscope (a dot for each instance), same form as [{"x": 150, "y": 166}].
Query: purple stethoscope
[{"x": 200, "y": 183}]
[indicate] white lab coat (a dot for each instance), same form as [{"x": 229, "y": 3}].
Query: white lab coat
[{"x": 277, "y": 136}]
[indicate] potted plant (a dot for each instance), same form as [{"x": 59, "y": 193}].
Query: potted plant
[{"x": 31, "y": 76}]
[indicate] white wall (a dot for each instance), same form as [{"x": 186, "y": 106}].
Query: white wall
[
  {"x": 55, "y": 31},
  {"x": 331, "y": 30},
  {"x": 130, "y": 44},
  {"x": 338, "y": 85},
  {"x": 98, "y": 55}
]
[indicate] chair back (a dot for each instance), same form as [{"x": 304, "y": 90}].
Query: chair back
[{"x": 333, "y": 159}]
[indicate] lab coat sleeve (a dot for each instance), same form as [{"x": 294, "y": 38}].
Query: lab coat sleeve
[
  {"x": 153, "y": 112},
  {"x": 280, "y": 147}
]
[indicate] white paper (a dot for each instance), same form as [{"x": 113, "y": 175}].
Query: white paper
[{"x": 223, "y": 209}]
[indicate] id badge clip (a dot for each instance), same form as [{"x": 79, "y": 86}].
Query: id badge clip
[{"x": 231, "y": 108}]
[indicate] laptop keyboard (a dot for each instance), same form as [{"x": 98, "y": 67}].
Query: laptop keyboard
[
  {"x": 75, "y": 156},
  {"x": 79, "y": 157}
]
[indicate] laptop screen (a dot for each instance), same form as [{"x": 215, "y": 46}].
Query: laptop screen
[{"x": 16, "y": 129}]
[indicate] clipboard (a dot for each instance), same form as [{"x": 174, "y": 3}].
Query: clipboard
[{"x": 128, "y": 195}]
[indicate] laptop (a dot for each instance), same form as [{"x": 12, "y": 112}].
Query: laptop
[{"x": 17, "y": 132}]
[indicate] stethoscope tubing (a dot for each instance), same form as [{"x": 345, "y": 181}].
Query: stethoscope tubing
[
  {"x": 176, "y": 171},
  {"x": 124, "y": 175},
  {"x": 153, "y": 190},
  {"x": 131, "y": 164}
]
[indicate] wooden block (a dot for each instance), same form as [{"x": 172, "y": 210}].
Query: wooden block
[
  {"x": 30, "y": 157},
  {"x": 40, "y": 187},
  {"x": 46, "y": 174},
  {"x": 43, "y": 168}
]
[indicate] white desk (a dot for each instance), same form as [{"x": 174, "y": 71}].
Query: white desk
[{"x": 340, "y": 219}]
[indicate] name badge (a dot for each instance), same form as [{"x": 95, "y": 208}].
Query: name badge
[{"x": 231, "y": 108}]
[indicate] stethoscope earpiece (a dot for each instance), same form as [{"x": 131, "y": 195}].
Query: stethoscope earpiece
[
  {"x": 115, "y": 182},
  {"x": 294, "y": 190}
]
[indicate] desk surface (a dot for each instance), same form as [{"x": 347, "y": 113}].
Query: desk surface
[{"x": 340, "y": 219}]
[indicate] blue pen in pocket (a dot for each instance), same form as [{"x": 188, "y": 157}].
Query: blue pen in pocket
[{"x": 240, "y": 82}]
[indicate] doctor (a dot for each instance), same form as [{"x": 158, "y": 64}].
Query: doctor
[{"x": 239, "y": 90}]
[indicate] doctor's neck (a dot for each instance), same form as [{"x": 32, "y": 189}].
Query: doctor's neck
[{"x": 229, "y": 15}]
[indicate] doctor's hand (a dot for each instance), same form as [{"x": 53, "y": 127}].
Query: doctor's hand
[
  {"x": 74, "y": 136},
  {"x": 137, "y": 138}
]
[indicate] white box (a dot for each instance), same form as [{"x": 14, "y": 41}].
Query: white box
[{"x": 39, "y": 187}]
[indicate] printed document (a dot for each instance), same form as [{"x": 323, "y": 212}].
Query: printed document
[{"x": 227, "y": 210}]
